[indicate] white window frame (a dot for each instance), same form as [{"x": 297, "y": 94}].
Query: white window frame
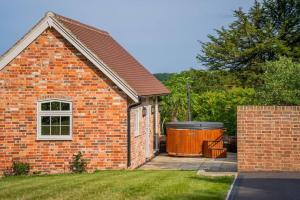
[
  {"x": 136, "y": 124},
  {"x": 41, "y": 113}
]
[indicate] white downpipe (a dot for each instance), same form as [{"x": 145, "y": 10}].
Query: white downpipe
[{"x": 156, "y": 126}]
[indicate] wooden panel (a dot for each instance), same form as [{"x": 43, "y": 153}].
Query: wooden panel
[
  {"x": 218, "y": 153},
  {"x": 186, "y": 142}
]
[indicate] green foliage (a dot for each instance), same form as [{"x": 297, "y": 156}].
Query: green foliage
[
  {"x": 20, "y": 168},
  {"x": 269, "y": 30},
  {"x": 220, "y": 106},
  {"x": 163, "y": 76},
  {"x": 214, "y": 97},
  {"x": 174, "y": 106},
  {"x": 284, "y": 15},
  {"x": 203, "y": 81},
  {"x": 79, "y": 164},
  {"x": 247, "y": 66},
  {"x": 281, "y": 83}
]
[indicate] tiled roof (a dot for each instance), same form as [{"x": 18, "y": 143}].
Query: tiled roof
[{"x": 114, "y": 56}]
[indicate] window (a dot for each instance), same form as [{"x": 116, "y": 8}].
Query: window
[
  {"x": 54, "y": 120},
  {"x": 136, "y": 122}
]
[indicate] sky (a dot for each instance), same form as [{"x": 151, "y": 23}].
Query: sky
[{"x": 163, "y": 35}]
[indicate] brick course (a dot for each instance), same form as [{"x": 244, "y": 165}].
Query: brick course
[
  {"x": 48, "y": 68},
  {"x": 268, "y": 138}
]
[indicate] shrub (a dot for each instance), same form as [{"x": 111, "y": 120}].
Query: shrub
[
  {"x": 20, "y": 168},
  {"x": 215, "y": 96},
  {"x": 281, "y": 83},
  {"x": 78, "y": 164},
  {"x": 220, "y": 106}
]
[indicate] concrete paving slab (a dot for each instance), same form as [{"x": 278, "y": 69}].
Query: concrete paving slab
[{"x": 227, "y": 166}]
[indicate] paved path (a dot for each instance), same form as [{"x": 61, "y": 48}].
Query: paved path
[
  {"x": 202, "y": 165},
  {"x": 266, "y": 186}
]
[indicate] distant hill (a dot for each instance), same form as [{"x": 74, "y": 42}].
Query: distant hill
[{"x": 163, "y": 76}]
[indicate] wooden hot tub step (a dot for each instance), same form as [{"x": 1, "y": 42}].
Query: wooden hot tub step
[
  {"x": 216, "y": 153},
  {"x": 213, "y": 143}
]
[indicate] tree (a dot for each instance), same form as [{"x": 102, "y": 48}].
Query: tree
[
  {"x": 174, "y": 106},
  {"x": 281, "y": 83},
  {"x": 285, "y": 18},
  {"x": 220, "y": 106},
  {"x": 204, "y": 81},
  {"x": 163, "y": 76},
  {"x": 269, "y": 30},
  {"x": 214, "y": 97}
]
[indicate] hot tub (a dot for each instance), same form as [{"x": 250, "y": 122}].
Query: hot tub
[{"x": 193, "y": 138}]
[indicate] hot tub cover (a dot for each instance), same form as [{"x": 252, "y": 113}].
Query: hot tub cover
[{"x": 195, "y": 125}]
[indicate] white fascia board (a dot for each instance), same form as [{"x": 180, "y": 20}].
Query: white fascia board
[
  {"x": 23, "y": 43},
  {"x": 49, "y": 21}
]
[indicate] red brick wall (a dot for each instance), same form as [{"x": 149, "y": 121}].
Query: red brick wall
[
  {"x": 268, "y": 138},
  {"x": 138, "y": 148},
  {"x": 50, "y": 67}
]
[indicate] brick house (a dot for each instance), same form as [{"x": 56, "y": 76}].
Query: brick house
[{"x": 67, "y": 87}]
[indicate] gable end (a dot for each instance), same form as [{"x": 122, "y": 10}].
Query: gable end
[{"x": 50, "y": 21}]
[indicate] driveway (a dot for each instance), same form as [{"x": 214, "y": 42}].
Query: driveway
[
  {"x": 205, "y": 166},
  {"x": 266, "y": 186}
]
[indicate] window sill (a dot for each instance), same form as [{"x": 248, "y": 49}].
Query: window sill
[{"x": 65, "y": 138}]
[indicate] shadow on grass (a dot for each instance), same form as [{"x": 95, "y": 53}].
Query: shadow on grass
[
  {"x": 222, "y": 179},
  {"x": 196, "y": 195}
]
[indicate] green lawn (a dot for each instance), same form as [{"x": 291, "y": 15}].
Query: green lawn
[{"x": 114, "y": 185}]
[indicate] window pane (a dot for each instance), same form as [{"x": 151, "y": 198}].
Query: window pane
[
  {"x": 65, "y": 130},
  {"x": 45, "y": 120},
  {"x": 65, "y": 106},
  {"x": 55, "y": 120},
  {"x": 55, "y": 130},
  {"x": 45, "y": 130},
  {"x": 46, "y": 106},
  {"x": 55, "y": 105},
  {"x": 65, "y": 120}
]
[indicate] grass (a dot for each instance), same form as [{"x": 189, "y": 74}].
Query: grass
[{"x": 114, "y": 185}]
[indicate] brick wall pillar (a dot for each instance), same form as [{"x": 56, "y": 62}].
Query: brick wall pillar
[{"x": 268, "y": 138}]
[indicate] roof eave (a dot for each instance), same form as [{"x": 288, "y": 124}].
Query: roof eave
[{"x": 155, "y": 94}]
